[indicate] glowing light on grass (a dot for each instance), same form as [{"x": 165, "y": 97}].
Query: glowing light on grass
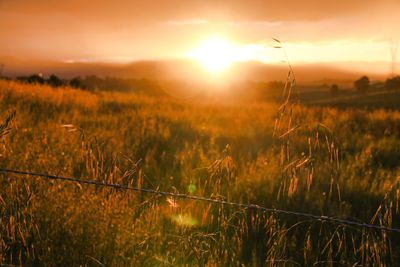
[
  {"x": 172, "y": 202},
  {"x": 184, "y": 220},
  {"x": 192, "y": 188}
]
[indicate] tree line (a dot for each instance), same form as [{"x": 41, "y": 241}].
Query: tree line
[
  {"x": 363, "y": 85},
  {"x": 95, "y": 83}
]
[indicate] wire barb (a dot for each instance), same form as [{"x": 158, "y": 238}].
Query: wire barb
[{"x": 205, "y": 199}]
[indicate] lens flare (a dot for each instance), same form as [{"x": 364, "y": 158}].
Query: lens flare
[
  {"x": 184, "y": 220},
  {"x": 216, "y": 55}
]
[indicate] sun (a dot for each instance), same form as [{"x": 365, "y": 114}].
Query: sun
[{"x": 215, "y": 54}]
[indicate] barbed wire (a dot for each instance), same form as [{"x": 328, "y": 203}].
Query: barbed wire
[{"x": 205, "y": 199}]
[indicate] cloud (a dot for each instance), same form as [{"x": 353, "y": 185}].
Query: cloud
[
  {"x": 186, "y": 22},
  {"x": 164, "y": 10},
  {"x": 133, "y": 28},
  {"x": 255, "y": 24}
]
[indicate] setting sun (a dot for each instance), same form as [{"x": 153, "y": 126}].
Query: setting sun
[{"x": 216, "y": 55}]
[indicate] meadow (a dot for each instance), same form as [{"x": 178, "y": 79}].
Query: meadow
[{"x": 341, "y": 162}]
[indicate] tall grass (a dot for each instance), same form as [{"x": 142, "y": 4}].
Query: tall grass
[{"x": 319, "y": 160}]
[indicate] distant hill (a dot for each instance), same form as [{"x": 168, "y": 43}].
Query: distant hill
[{"x": 186, "y": 70}]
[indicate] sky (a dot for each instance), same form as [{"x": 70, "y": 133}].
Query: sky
[{"x": 130, "y": 30}]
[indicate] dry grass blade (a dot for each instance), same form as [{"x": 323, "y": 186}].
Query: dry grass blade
[
  {"x": 95, "y": 260},
  {"x": 276, "y": 40},
  {"x": 303, "y": 162},
  {"x": 5, "y": 128},
  {"x": 288, "y": 132}
]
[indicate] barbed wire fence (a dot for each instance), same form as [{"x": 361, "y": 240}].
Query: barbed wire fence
[{"x": 204, "y": 199}]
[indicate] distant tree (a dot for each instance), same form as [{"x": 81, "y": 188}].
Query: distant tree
[
  {"x": 362, "y": 84},
  {"x": 378, "y": 86},
  {"x": 77, "y": 83},
  {"x": 393, "y": 83},
  {"x": 35, "y": 79},
  {"x": 334, "y": 90},
  {"x": 54, "y": 81},
  {"x": 93, "y": 82},
  {"x": 276, "y": 85},
  {"x": 273, "y": 90},
  {"x": 1, "y": 70},
  {"x": 22, "y": 79}
]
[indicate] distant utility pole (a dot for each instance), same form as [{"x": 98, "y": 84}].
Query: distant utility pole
[{"x": 394, "y": 45}]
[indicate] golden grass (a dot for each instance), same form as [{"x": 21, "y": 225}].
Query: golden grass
[{"x": 329, "y": 165}]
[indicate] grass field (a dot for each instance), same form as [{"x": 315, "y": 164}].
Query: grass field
[
  {"x": 349, "y": 98},
  {"x": 316, "y": 159}
]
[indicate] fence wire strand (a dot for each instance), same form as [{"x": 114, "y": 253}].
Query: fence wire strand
[{"x": 205, "y": 199}]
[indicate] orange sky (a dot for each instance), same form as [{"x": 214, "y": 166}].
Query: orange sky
[{"x": 120, "y": 31}]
